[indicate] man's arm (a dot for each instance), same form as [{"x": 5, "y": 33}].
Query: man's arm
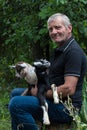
[{"x": 68, "y": 88}]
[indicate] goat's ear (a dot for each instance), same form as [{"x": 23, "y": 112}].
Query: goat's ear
[
  {"x": 37, "y": 63},
  {"x": 23, "y": 65},
  {"x": 12, "y": 66}
]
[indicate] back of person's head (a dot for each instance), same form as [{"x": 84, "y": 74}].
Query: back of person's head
[{"x": 63, "y": 17}]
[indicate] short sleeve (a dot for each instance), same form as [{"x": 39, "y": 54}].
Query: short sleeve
[{"x": 73, "y": 62}]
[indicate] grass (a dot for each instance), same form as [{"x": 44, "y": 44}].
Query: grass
[{"x": 80, "y": 122}]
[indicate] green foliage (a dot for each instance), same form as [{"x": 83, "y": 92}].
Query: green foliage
[
  {"x": 5, "y": 122},
  {"x": 77, "y": 123},
  {"x": 23, "y": 25},
  {"x": 79, "y": 120},
  {"x": 84, "y": 108}
]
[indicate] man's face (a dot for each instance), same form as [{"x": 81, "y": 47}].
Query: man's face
[{"x": 58, "y": 32}]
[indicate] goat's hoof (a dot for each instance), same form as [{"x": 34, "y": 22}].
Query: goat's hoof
[
  {"x": 46, "y": 122},
  {"x": 56, "y": 101}
]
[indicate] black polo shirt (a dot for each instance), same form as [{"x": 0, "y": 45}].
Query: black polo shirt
[{"x": 69, "y": 60}]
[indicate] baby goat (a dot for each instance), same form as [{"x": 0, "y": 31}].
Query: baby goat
[{"x": 37, "y": 75}]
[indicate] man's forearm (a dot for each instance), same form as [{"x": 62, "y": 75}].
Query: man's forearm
[{"x": 60, "y": 90}]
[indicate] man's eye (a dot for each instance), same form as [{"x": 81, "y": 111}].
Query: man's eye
[
  {"x": 50, "y": 29},
  {"x": 57, "y": 27}
]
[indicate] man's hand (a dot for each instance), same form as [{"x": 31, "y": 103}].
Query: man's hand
[
  {"x": 34, "y": 91},
  {"x": 49, "y": 94}
]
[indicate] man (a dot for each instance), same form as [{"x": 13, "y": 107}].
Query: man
[{"x": 68, "y": 67}]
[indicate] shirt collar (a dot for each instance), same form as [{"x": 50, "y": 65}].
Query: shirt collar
[{"x": 65, "y": 46}]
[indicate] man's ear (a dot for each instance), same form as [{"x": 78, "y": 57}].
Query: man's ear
[{"x": 70, "y": 28}]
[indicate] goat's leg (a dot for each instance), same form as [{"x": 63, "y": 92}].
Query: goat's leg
[
  {"x": 46, "y": 120},
  {"x": 44, "y": 106},
  {"x": 25, "y": 92},
  {"x": 55, "y": 94}
]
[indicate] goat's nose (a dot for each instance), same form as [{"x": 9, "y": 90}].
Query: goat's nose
[{"x": 17, "y": 75}]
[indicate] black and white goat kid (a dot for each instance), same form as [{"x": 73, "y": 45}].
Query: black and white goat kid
[{"x": 37, "y": 75}]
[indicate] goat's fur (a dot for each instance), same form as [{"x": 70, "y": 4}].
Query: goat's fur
[{"x": 38, "y": 75}]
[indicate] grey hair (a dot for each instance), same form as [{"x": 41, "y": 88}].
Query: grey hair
[{"x": 65, "y": 19}]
